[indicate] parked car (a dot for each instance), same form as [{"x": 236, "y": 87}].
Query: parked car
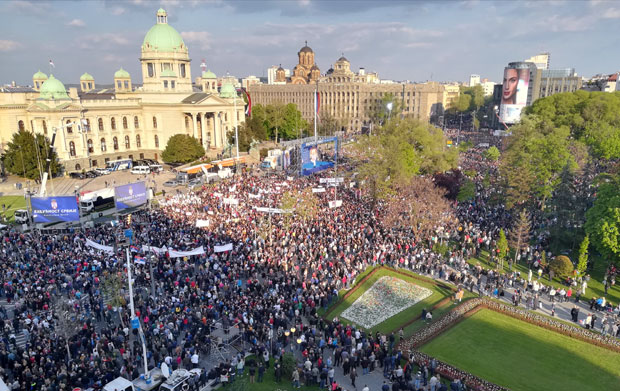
[
  {"x": 171, "y": 183},
  {"x": 102, "y": 171},
  {"x": 91, "y": 174},
  {"x": 77, "y": 175},
  {"x": 195, "y": 183},
  {"x": 140, "y": 170}
]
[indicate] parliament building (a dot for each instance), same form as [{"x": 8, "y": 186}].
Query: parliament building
[{"x": 94, "y": 125}]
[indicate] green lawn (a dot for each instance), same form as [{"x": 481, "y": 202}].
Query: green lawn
[
  {"x": 392, "y": 323},
  {"x": 12, "y": 204},
  {"x": 521, "y": 356},
  {"x": 595, "y": 285}
]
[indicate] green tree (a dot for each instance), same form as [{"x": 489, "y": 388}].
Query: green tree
[
  {"x": 561, "y": 266},
  {"x": 502, "y": 248},
  {"x": 26, "y": 157},
  {"x": 582, "y": 265},
  {"x": 492, "y": 154},
  {"x": 520, "y": 234},
  {"x": 603, "y": 219},
  {"x": 400, "y": 150},
  {"x": 389, "y": 107},
  {"x": 182, "y": 148},
  {"x": 463, "y": 103},
  {"x": 284, "y": 121},
  {"x": 253, "y": 130},
  {"x": 467, "y": 191}
]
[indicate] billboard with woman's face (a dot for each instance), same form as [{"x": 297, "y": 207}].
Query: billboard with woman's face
[{"x": 514, "y": 94}]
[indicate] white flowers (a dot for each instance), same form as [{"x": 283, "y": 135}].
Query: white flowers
[{"x": 386, "y": 298}]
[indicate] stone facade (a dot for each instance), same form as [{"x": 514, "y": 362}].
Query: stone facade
[{"x": 125, "y": 121}]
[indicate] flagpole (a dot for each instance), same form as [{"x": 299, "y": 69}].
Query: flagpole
[
  {"x": 316, "y": 139},
  {"x": 236, "y": 127}
]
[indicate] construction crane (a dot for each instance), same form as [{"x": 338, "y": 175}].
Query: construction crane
[{"x": 82, "y": 127}]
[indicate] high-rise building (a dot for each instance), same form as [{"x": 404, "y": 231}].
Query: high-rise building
[
  {"x": 542, "y": 60},
  {"x": 474, "y": 80},
  {"x": 97, "y": 123}
]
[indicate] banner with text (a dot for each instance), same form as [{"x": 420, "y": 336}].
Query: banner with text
[
  {"x": 130, "y": 196},
  {"x": 54, "y": 209}
]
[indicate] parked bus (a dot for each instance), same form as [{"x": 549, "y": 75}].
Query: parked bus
[{"x": 122, "y": 164}]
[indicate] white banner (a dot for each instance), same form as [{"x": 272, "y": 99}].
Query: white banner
[
  {"x": 221, "y": 249},
  {"x": 107, "y": 249},
  {"x": 218, "y": 195},
  {"x": 156, "y": 250},
  {"x": 289, "y": 178},
  {"x": 269, "y": 210},
  {"x": 232, "y": 189},
  {"x": 231, "y": 201},
  {"x": 254, "y": 195},
  {"x": 331, "y": 180},
  {"x": 351, "y": 185},
  {"x": 318, "y": 190},
  {"x": 179, "y": 254},
  {"x": 202, "y": 223},
  {"x": 335, "y": 204}
]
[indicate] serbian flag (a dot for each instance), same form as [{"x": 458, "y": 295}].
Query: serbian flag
[
  {"x": 140, "y": 260},
  {"x": 134, "y": 249},
  {"x": 248, "y": 109}
]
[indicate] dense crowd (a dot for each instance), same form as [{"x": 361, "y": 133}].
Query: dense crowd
[{"x": 279, "y": 272}]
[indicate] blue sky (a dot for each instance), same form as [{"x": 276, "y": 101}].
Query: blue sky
[{"x": 401, "y": 40}]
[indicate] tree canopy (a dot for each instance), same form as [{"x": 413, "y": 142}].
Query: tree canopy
[
  {"x": 26, "y": 158},
  {"x": 182, "y": 148},
  {"x": 603, "y": 219}
]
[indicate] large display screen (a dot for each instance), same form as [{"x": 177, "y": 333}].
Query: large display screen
[
  {"x": 318, "y": 156},
  {"x": 130, "y": 196},
  {"x": 54, "y": 209},
  {"x": 514, "y": 94}
]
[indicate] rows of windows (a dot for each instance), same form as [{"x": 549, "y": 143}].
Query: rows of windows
[
  {"x": 102, "y": 144},
  {"x": 150, "y": 69}
]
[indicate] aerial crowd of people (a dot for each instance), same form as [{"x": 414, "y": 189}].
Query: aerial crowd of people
[{"x": 277, "y": 275}]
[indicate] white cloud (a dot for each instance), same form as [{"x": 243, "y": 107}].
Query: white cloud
[
  {"x": 202, "y": 38},
  {"x": 7, "y": 45},
  {"x": 76, "y": 23},
  {"x": 105, "y": 41},
  {"x": 118, "y": 11},
  {"x": 611, "y": 13}
]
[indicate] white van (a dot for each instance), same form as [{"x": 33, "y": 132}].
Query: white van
[
  {"x": 156, "y": 167},
  {"x": 119, "y": 384},
  {"x": 141, "y": 170}
]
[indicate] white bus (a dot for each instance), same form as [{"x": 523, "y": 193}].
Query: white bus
[{"x": 116, "y": 165}]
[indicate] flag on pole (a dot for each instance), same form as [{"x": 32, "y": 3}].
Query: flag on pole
[
  {"x": 248, "y": 110},
  {"x": 134, "y": 249},
  {"x": 52, "y": 64},
  {"x": 140, "y": 260}
]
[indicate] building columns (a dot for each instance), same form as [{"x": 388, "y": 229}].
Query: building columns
[
  {"x": 202, "y": 129},
  {"x": 194, "y": 122}
]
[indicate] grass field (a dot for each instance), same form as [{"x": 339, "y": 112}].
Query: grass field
[
  {"x": 12, "y": 204},
  {"x": 521, "y": 356},
  {"x": 595, "y": 285},
  {"x": 402, "y": 317}
]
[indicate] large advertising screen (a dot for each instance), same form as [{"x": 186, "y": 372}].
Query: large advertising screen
[
  {"x": 54, "y": 209},
  {"x": 514, "y": 93},
  {"x": 318, "y": 156},
  {"x": 130, "y": 196}
]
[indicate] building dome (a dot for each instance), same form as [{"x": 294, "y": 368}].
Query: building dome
[
  {"x": 162, "y": 37},
  {"x": 53, "y": 89},
  {"x": 314, "y": 68},
  {"x": 39, "y": 75},
  {"x": 121, "y": 74},
  {"x": 306, "y": 49},
  {"x": 228, "y": 91},
  {"x": 343, "y": 58},
  {"x": 87, "y": 77},
  {"x": 208, "y": 75}
]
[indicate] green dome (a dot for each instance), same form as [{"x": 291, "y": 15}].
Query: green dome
[
  {"x": 168, "y": 73},
  {"x": 86, "y": 77},
  {"x": 228, "y": 91},
  {"x": 162, "y": 37},
  {"x": 39, "y": 75},
  {"x": 208, "y": 75},
  {"x": 121, "y": 74},
  {"x": 53, "y": 89}
]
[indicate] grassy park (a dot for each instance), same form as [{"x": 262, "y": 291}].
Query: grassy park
[
  {"x": 521, "y": 356},
  {"x": 394, "y": 322},
  {"x": 12, "y": 204}
]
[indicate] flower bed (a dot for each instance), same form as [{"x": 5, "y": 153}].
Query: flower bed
[{"x": 386, "y": 298}]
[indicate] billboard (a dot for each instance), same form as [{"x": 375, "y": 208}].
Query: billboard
[
  {"x": 318, "y": 156},
  {"x": 54, "y": 209},
  {"x": 129, "y": 196},
  {"x": 514, "y": 92}
]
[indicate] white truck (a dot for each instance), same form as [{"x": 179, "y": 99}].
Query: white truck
[
  {"x": 22, "y": 216},
  {"x": 101, "y": 201}
]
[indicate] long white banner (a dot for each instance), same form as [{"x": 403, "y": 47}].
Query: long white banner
[
  {"x": 331, "y": 180},
  {"x": 318, "y": 190},
  {"x": 178, "y": 254},
  {"x": 107, "y": 249},
  {"x": 335, "y": 203},
  {"x": 156, "y": 250},
  {"x": 225, "y": 247}
]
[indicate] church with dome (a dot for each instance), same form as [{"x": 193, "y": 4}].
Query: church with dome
[{"x": 131, "y": 118}]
